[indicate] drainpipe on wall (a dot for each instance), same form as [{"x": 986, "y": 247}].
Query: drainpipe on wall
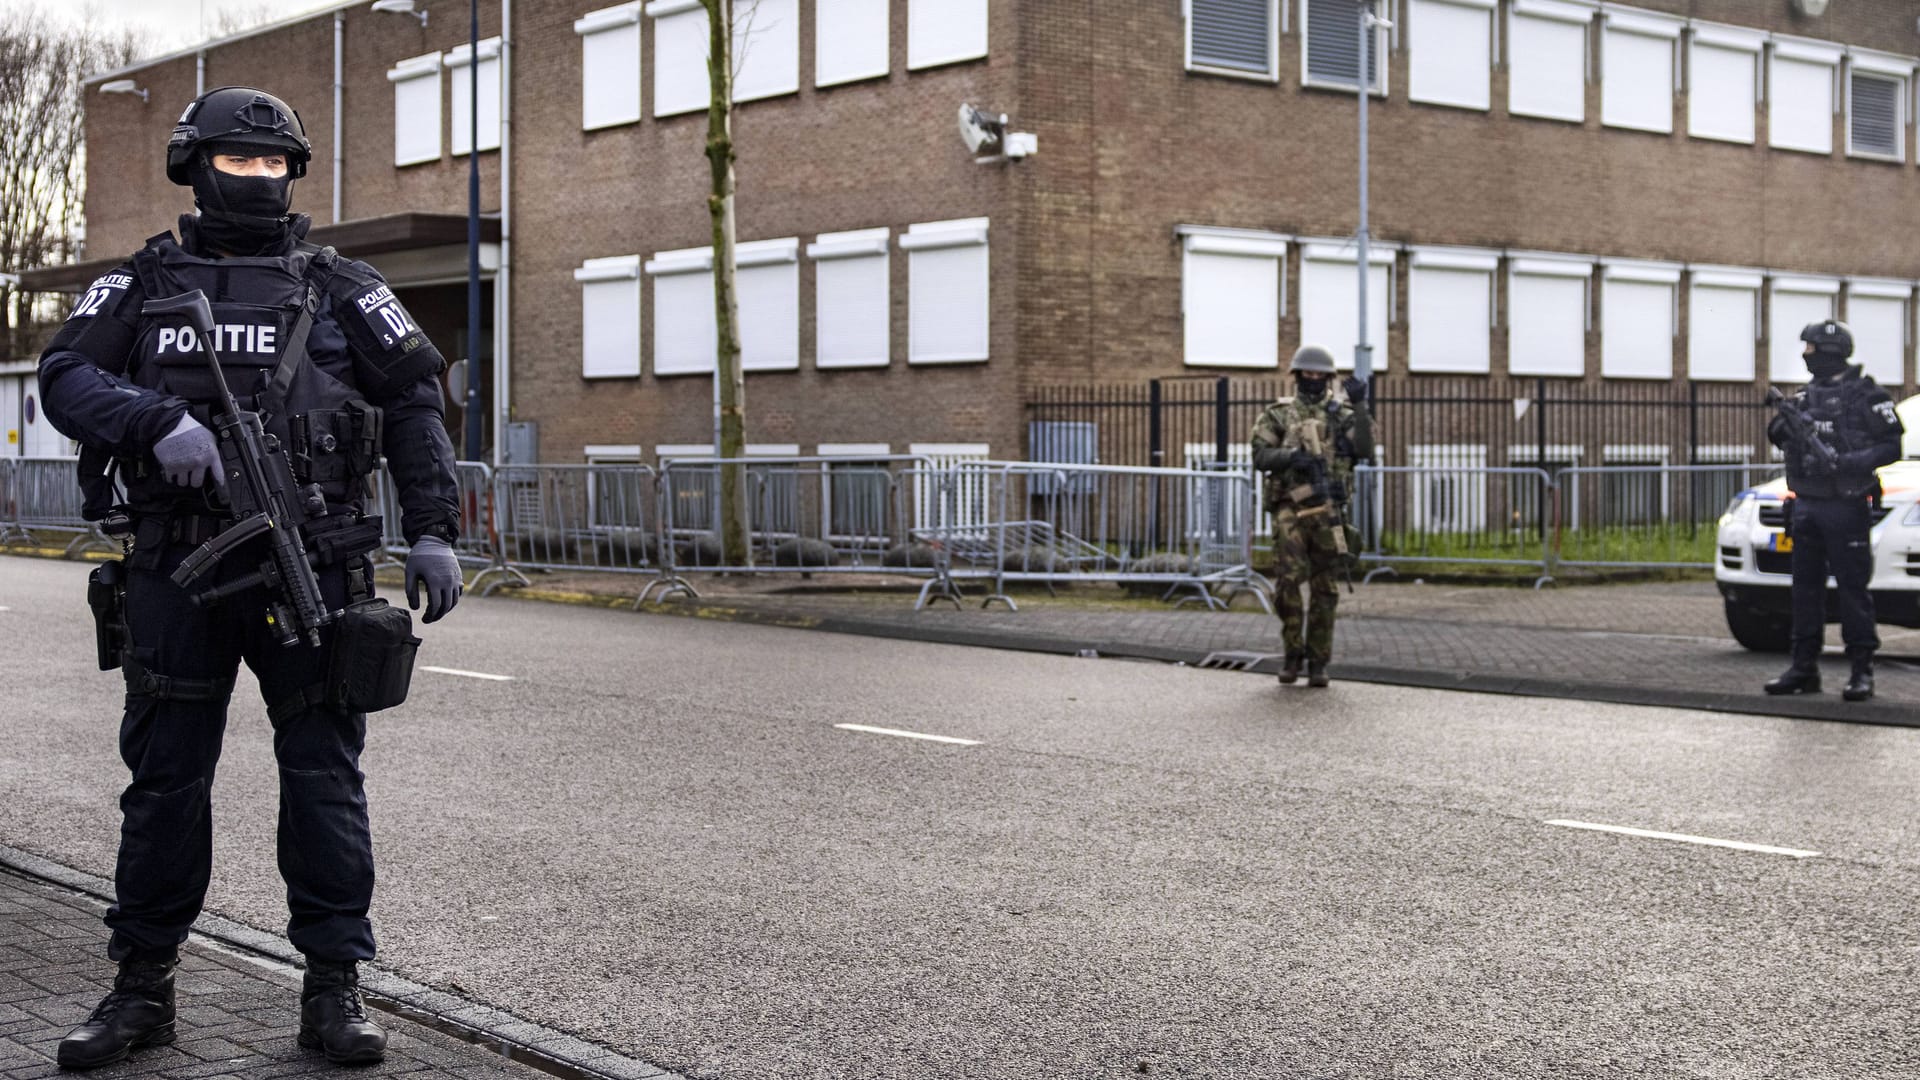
[
  {"x": 339, "y": 34},
  {"x": 503, "y": 277}
]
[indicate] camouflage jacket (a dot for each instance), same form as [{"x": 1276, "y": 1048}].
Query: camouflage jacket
[{"x": 1331, "y": 429}]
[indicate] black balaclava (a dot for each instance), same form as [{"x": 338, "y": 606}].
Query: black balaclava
[
  {"x": 1311, "y": 387},
  {"x": 240, "y": 215},
  {"x": 1825, "y": 365}
]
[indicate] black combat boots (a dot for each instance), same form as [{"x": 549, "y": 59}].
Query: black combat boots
[
  {"x": 1290, "y": 668},
  {"x": 137, "y": 1012},
  {"x": 1317, "y": 673},
  {"x": 333, "y": 1019},
  {"x": 1860, "y": 683},
  {"x": 1798, "y": 679}
]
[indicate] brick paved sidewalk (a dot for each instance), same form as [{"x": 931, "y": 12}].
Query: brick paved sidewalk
[{"x": 238, "y": 1013}]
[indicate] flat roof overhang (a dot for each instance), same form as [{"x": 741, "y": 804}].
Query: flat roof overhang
[{"x": 361, "y": 238}]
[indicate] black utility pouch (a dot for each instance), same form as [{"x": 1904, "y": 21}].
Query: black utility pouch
[
  {"x": 107, "y": 596},
  {"x": 372, "y": 662}
]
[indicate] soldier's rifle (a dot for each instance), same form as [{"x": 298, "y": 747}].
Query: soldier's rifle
[
  {"x": 263, "y": 498},
  {"x": 1802, "y": 432}
]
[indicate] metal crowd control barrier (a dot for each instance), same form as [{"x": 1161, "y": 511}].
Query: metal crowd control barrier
[
  {"x": 1176, "y": 530},
  {"x": 806, "y": 515},
  {"x": 1651, "y": 516},
  {"x": 10, "y": 527},
  {"x": 565, "y": 517},
  {"x": 46, "y": 498},
  {"x": 1455, "y": 516}
]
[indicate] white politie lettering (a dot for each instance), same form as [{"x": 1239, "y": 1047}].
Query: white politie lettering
[{"x": 228, "y": 338}]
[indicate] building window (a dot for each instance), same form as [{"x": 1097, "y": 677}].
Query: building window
[
  {"x": 945, "y": 32},
  {"x": 463, "y": 90},
  {"x": 1547, "y": 59},
  {"x": 1800, "y": 95},
  {"x": 609, "y": 66},
  {"x": 1797, "y": 301},
  {"x": 1234, "y": 36},
  {"x": 766, "y": 49},
  {"x": 852, "y": 315},
  {"x": 1548, "y": 315},
  {"x": 1877, "y": 315},
  {"x": 1723, "y": 323},
  {"x": 1063, "y": 442},
  {"x": 1637, "y": 319},
  {"x": 416, "y": 109},
  {"x": 1450, "y": 310},
  {"x": 683, "y": 322},
  {"x": 1230, "y": 296},
  {"x": 1330, "y": 36},
  {"x": 1637, "y": 493},
  {"x": 858, "y": 495},
  {"x": 1450, "y": 52},
  {"x": 768, "y": 279},
  {"x": 1330, "y": 302},
  {"x": 609, "y": 317},
  {"x": 1448, "y": 493},
  {"x": 948, "y": 498},
  {"x": 1876, "y": 112},
  {"x": 680, "y": 81},
  {"x": 617, "y": 496},
  {"x": 1637, "y": 70},
  {"x": 1723, "y": 70},
  {"x": 849, "y": 41},
  {"x": 947, "y": 291}
]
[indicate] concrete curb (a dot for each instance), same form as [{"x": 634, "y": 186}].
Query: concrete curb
[{"x": 541, "y": 1047}]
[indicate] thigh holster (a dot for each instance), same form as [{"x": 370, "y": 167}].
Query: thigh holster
[{"x": 148, "y": 684}]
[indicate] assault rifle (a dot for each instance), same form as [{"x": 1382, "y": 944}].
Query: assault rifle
[
  {"x": 264, "y": 501},
  {"x": 1803, "y": 435}
]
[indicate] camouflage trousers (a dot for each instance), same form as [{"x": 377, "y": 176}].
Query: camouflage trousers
[{"x": 1306, "y": 553}]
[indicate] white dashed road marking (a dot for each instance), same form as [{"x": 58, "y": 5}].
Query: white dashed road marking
[
  {"x": 468, "y": 674},
  {"x": 1737, "y": 845},
  {"x": 908, "y": 734}
]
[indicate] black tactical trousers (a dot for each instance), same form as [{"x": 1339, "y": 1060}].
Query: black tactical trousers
[
  {"x": 182, "y": 660},
  {"x": 1830, "y": 536}
]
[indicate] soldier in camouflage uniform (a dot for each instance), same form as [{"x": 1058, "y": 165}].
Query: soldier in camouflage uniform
[{"x": 1306, "y": 446}]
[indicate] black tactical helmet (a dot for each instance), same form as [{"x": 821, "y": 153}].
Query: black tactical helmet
[
  {"x": 239, "y": 115},
  {"x": 1830, "y": 337}
]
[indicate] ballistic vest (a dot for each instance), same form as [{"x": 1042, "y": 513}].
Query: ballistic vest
[
  {"x": 262, "y": 308},
  {"x": 1843, "y": 413}
]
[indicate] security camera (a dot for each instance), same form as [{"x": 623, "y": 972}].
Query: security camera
[
  {"x": 981, "y": 130},
  {"x": 1812, "y": 9}
]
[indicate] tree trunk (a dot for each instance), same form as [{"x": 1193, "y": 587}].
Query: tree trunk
[{"x": 726, "y": 301}]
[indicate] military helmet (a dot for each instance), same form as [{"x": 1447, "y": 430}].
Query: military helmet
[
  {"x": 1831, "y": 337},
  {"x": 1311, "y": 358},
  {"x": 237, "y": 115}
]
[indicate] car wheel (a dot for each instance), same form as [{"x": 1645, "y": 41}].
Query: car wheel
[{"x": 1759, "y": 630}]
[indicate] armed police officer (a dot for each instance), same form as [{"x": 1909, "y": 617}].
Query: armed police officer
[
  {"x": 1307, "y": 446},
  {"x": 318, "y": 350},
  {"x": 1836, "y": 431}
]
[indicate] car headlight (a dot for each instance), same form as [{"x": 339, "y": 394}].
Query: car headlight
[
  {"x": 1912, "y": 516},
  {"x": 1741, "y": 510}
]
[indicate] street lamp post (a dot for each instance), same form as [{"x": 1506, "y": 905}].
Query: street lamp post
[
  {"x": 471, "y": 442},
  {"x": 1369, "y": 25}
]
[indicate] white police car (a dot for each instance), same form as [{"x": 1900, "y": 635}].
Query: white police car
[{"x": 1754, "y": 556}]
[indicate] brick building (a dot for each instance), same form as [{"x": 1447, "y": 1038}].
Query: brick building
[{"x": 1594, "y": 195}]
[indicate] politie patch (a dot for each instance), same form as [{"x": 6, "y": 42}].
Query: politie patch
[
  {"x": 387, "y": 319},
  {"x": 101, "y": 295}
]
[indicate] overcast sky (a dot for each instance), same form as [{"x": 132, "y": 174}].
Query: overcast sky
[{"x": 169, "y": 25}]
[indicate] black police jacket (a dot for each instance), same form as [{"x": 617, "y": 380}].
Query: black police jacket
[
  {"x": 1857, "y": 419},
  {"x": 117, "y": 381}
]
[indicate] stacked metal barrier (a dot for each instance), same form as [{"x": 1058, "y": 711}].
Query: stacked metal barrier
[{"x": 1648, "y": 515}]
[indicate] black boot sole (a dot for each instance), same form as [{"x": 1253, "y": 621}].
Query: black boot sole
[
  {"x": 161, "y": 1036},
  {"x": 1789, "y": 691},
  {"x": 1849, "y": 695},
  {"x": 309, "y": 1039}
]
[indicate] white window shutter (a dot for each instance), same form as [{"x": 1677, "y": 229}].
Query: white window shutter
[
  {"x": 1231, "y": 308},
  {"x": 1637, "y": 81},
  {"x": 684, "y": 330},
  {"x": 1329, "y": 307},
  {"x": 1450, "y": 53},
  {"x": 1720, "y": 94},
  {"x": 1547, "y": 322},
  {"x": 680, "y": 82},
  {"x": 1547, "y": 67},
  {"x": 1721, "y": 320},
  {"x": 610, "y": 317},
  {"x": 767, "y": 274},
  {"x": 945, "y": 31},
  {"x": 416, "y": 109},
  {"x": 1879, "y": 336},
  {"x": 610, "y": 68},
  {"x": 766, "y": 49},
  {"x": 1800, "y": 105},
  {"x": 1636, "y": 326},
  {"x": 1796, "y": 302},
  {"x": 850, "y": 41},
  {"x": 1449, "y": 319},
  {"x": 463, "y": 90},
  {"x": 948, "y": 302},
  {"x": 852, "y": 318}
]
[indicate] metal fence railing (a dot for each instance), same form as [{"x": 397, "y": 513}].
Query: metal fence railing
[{"x": 1195, "y": 533}]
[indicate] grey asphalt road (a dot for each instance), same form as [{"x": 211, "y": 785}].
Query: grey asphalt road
[{"x": 656, "y": 836}]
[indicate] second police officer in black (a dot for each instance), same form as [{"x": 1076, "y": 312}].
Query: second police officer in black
[
  {"x": 140, "y": 398},
  {"x": 1831, "y": 513}
]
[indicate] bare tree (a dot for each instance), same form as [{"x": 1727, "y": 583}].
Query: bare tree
[
  {"x": 721, "y": 16},
  {"x": 42, "y": 167},
  {"x": 228, "y": 21}
]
